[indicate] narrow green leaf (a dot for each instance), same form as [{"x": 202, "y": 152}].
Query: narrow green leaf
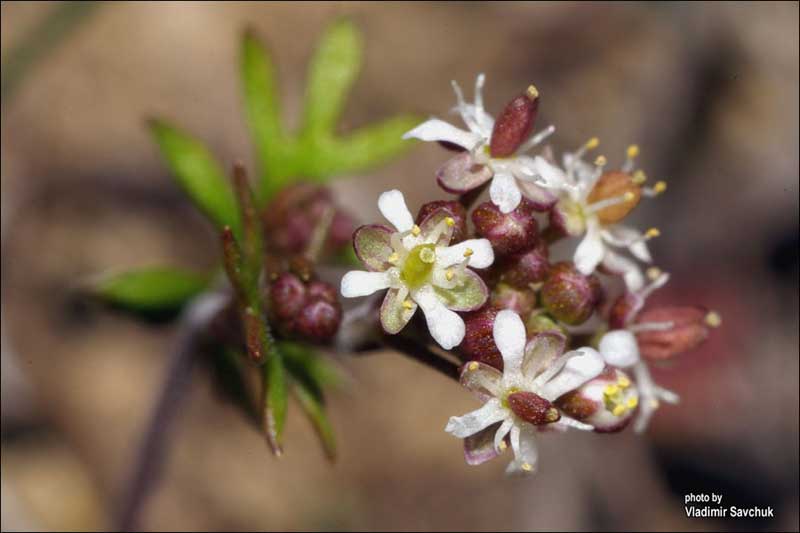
[
  {"x": 314, "y": 408},
  {"x": 301, "y": 361},
  {"x": 198, "y": 174},
  {"x": 275, "y": 401},
  {"x": 364, "y": 149},
  {"x": 150, "y": 289},
  {"x": 332, "y": 71}
]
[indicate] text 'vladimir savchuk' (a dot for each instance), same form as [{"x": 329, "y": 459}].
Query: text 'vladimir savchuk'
[{"x": 710, "y": 506}]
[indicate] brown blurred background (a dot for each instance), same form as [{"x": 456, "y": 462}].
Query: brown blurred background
[{"x": 708, "y": 90}]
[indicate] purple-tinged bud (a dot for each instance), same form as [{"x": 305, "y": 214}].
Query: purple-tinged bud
[
  {"x": 318, "y": 320},
  {"x": 664, "y": 332},
  {"x": 514, "y": 124},
  {"x": 521, "y": 301},
  {"x": 570, "y": 296},
  {"x": 478, "y": 344},
  {"x": 508, "y": 233},
  {"x": 624, "y": 310},
  {"x": 533, "y": 408},
  {"x": 525, "y": 268},
  {"x": 606, "y": 402},
  {"x": 456, "y": 211},
  {"x": 287, "y": 294},
  {"x": 322, "y": 290}
]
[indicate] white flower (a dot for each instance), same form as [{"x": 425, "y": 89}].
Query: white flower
[
  {"x": 511, "y": 176},
  {"x": 518, "y": 401},
  {"x": 420, "y": 270},
  {"x": 620, "y": 349},
  {"x": 583, "y": 210}
]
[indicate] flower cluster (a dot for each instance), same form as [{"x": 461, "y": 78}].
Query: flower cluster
[{"x": 544, "y": 344}]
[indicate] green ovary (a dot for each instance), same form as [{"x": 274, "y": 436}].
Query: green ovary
[{"x": 418, "y": 266}]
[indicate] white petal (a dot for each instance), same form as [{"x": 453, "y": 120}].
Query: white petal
[
  {"x": 523, "y": 442},
  {"x": 481, "y": 256},
  {"x": 471, "y": 423},
  {"x": 504, "y": 192},
  {"x": 625, "y": 236},
  {"x": 650, "y": 395},
  {"x": 590, "y": 251},
  {"x": 502, "y": 431},
  {"x": 393, "y": 207},
  {"x": 626, "y": 268},
  {"x": 359, "y": 283},
  {"x": 585, "y": 364},
  {"x": 551, "y": 176},
  {"x": 446, "y": 327},
  {"x": 619, "y": 348},
  {"x": 509, "y": 336},
  {"x": 439, "y": 130}
]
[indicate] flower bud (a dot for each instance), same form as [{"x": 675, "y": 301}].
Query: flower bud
[
  {"x": 323, "y": 291},
  {"x": 478, "y": 344},
  {"x": 521, "y": 301},
  {"x": 287, "y": 294},
  {"x": 319, "y": 319},
  {"x": 624, "y": 310},
  {"x": 292, "y": 217},
  {"x": 611, "y": 185},
  {"x": 606, "y": 402},
  {"x": 509, "y": 233},
  {"x": 456, "y": 211},
  {"x": 540, "y": 322},
  {"x": 514, "y": 124},
  {"x": 523, "y": 269},
  {"x": 686, "y": 327},
  {"x": 533, "y": 408},
  {"x": 570, "y": 296}
]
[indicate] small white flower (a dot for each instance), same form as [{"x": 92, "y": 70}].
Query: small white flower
[
  {"x": 518, "y": 401},
  {"x": 511, "y": 176},
  {"x": 420, "y": 270},
  {"x": 577, "y": 213}
]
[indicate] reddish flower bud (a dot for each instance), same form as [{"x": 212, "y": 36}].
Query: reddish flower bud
[
  {"x": 514, "y": 124},
  {"x": 533, "y": 408},
  {"x": 525, "y": 268},
  {"x": 568, "y": 295},
  {"x": 319, "y": 319},
  {"x": 508, "y": 233},
  {"x": 293, "y": 215},
  {"x": 686, "y": 327},
  {"x": 606, "y": 402},
  {"x": 456, "y": 211},
  {"x": 478, "y": 344},
  {"x": 323, "y": 291},
  {"x": 287, "y": 294},
  {"x": 624, "y": 310},
  {"x": 521, "y": 301}
]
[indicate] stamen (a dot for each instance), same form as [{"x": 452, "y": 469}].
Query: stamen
[
  {"x": 479, "y": 81},
  {"x": 450, "y": 221},
  {"x": 633, "y": 151},
  {"x": 639, "y": 177},
  {"x": 415, "y": 231},
  {"x": 526, "y": 467},
  {"x": 473, "y": 366},
  {"x": 449, "y": 274},
  {"x": 611, "y": 390},
  {"x": 502, "y": 446},
  {"x": 653, "y": 273},
  {"x": 632, "y": 402},
  {"x": 393, "y": 258},
  {"x": 608, "y": 202},
  {"x": 624, "y": 382},
  {"x": 651, "y": 326},
  {"x": 533, "y": 92},
  {"x": 408, "y": 304},
  {"x": 713, "y": 319},
  {"x": 537, "y": 139},
  {"x": 652, "y": 233},
  {"x": 601, "y": 161},
  {"x": 468, "y": 252},
  {"x": 552, "y": 415},
  {"x": 657, "y": 189},
  {"x": 592, "y": 143},
  {"x": 619, "y": 410}
]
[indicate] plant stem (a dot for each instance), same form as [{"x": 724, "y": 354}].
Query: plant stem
[
  {"x": 152, "y": 450},
  {"x": 422, "y": 354}
]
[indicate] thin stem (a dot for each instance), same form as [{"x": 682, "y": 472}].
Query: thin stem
[{"x": 152, "y": 450}]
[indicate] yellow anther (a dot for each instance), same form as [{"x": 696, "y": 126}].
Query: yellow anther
[
  {"x": 660, "y": 187},
  {"x": 611, "y": 390},
  {"x": 449, "y": 274},
  {"x": 468, "y": 252},
  {"x": 502, "y": 446},
  {"x": 632, "y": 402},
  {"x": 526, "y": 467},
  {"x": 408, "y": 304},
  {"x": 619, "y": 410},
  {"x": 395, "y": 257},
  {"x": 653, "y": 273},
  {"x": 639, "y": 177},
  {"x": 551, "y": 415},
  {"x": 592, "y": 143},
  {"x": 628, "y": 196},
  {"x": 654, "y": 403},
  {"x": 633, "y": 151},
  {"x": 652, "y": 233},
  {"x": 533, "y": 92},
  {"x": 415, "y": 231},
  {"x": 623, "y": 382},
  {"x": 601, "y": 161},
  {"x": 450, "y": 221},
  {"x": 473, "y": 365},
  {"x": 713, "y": 319}
]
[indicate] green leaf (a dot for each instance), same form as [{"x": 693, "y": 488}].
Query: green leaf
[
  {"x": 198, "y": 174},
  {"x": 332, "y": 71},
  {"x": 275, "y": 401},
  {"x": 364, "y": 149},
  {"x": 314, "y": 408},
  {"x": 150, "y": 289},
  {"x": 303, "y": 362}
]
